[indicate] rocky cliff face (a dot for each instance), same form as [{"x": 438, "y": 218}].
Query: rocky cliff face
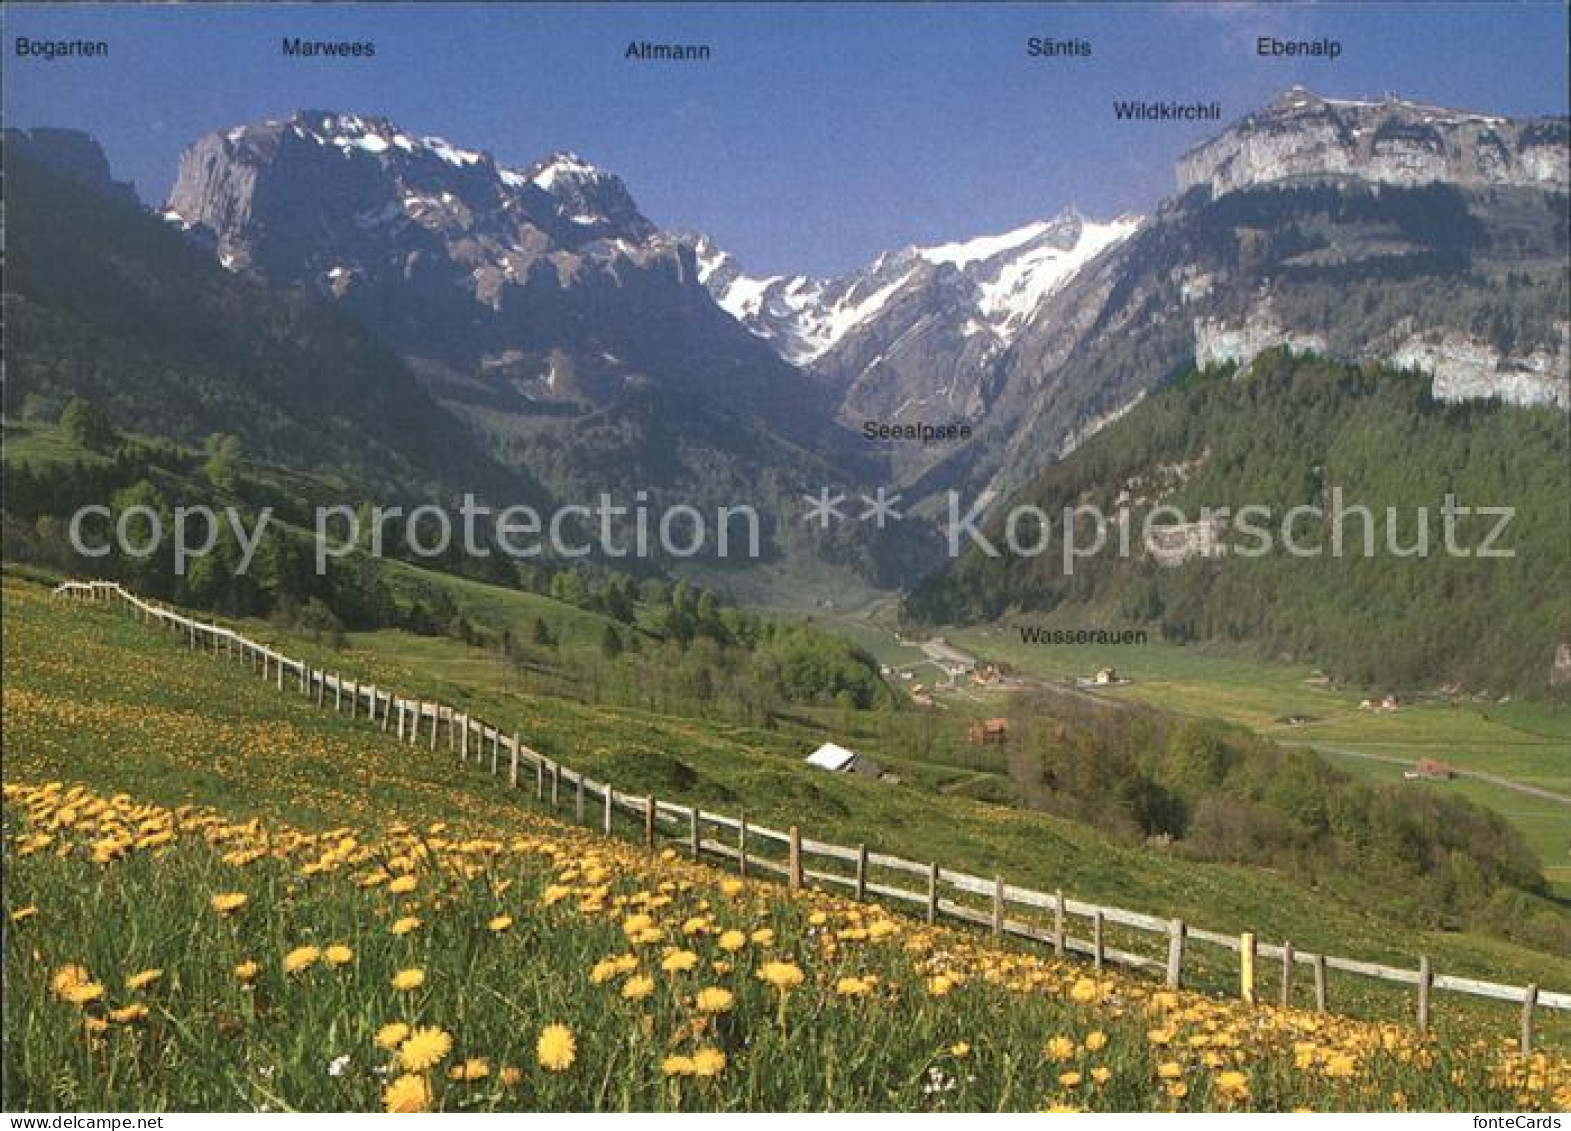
[
  {"x": 1302, "y": 135},
  {"x": 521, "y": 287}
]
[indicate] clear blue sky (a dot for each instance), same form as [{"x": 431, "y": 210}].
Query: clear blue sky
[{"x": 818, "y": 134}]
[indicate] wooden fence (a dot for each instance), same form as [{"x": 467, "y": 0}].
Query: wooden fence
[{"x": 939, "y": 892}]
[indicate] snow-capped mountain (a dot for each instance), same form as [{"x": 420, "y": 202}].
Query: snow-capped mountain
[
  {"x": 918, "y": 335},
  {"x": 1008, "y": 276},
  {"x": 535, "y": 285}
]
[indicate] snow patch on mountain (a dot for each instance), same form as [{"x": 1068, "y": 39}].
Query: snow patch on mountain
[{"x": 1000, "y": 281}]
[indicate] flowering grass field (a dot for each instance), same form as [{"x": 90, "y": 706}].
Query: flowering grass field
[
  {"x": 257, "y": 906},
  {"x": 165, "y": 957}
]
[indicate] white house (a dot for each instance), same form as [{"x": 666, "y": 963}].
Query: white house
[{"x": 836, "y": 759}]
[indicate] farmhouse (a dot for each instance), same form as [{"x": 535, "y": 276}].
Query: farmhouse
[
  {"x": 989, "y": 732},
  {"x": 838, "y": 760}
]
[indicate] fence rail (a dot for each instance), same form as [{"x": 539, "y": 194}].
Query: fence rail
[{"x": 471, "y": 739}]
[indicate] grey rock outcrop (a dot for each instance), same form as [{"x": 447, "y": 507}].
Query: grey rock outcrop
[{"x": 1391, "y": 141}]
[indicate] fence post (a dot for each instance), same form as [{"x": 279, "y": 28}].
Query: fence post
[
  {"x": 387, "y": 710},
  {"x": 400, "y": 719},
  {"x": 354, "y": 699},
  {"x": 280, "y": 673},
  {"x": 1320, "y": 983},
  {"x": 1175, "y": 954},
  {"x": 932, "y": 892},
  {"x": 1529, "y": 1003},
  {"x": 998, "y": 905},
  {"x": 578, "y": 800},
  {"x": 1059, "y": 941},
  {"x": 539, "y": 777},
  {"x": 556, "y": 785},
  {"x": 512, "y": 768},
  {"x": 693, "y": 832},
  {"x": 496, "y": 750},
  {"x": 1426, "y": 978},
  {"x": 1287, "y": 974},
  {"x": 795, "y": 861},
  {"x": 1098, "y": 953},
  {"x": 649, "y": 823},
  {"x": 463, "y": 746},
  {"x": 338, "y": 693},
  {"x": 321, "y": 687},
  {"x": 861, "y": 873},
  {"x": 436, "y": 720},
  {"x": 741, "y": 844},
  {"x": 610, "y": 797},
  {"x": 1246, "y": 967}
]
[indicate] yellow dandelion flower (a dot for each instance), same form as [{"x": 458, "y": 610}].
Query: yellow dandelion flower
[
  {"x": 731, "y": 941},
  {"x": 1096, "y": 1041},
  {"x": 22, "y": 914},
  {"x": 679, "y": 962},
  {"x": 852, "y": 987},
  {"x": 424, "y": 1049},
  {"x": 714, "y": 999},
  {"x": 1085, "y": 991},
  {"x": 67, "y": 977},
  {"x": 763, "y": 937},
  {"x": 142, "y": 979},
  {"x": 511, "y": 1076},
  {"x": 475, "y": 1068},
  {"x": 783, "y": 976},
  {"x": 93, "y": 1026},
  {"x": 500, "y": 923},
  {"x": 226, "y": 903},
  {"x": 301, "y": 958},
  {"x": 960, "y": 1049},
  {"x": 411, "y": 979},
  {"x": 708, "y": 1063},
  {"x": 1101, "y": 1074},
  {"x": 391, "y": 1035},
  {"x": 406, "y": 1095},
  {"x": 677, "y": 1066},
  {"x": 338, "y": 955},
  {"x": 1060, "y": 1048},
  {"x": 403, "y": 926},
  {"x": 125, "y": 1015},
  {"x": 1169, "y": 1070},
  {"x": 403, "y": 885},
  {"x": 939, "y": 985},
  {"x": 732, "y": 887},
  {"x": 246, "y": 972},
  {"x": 1233, "y": 1085},
  {"x": 638, "y": 987},
  {"x": 556, "y": 1049},
  {"x": 1069, "y": 1080}
]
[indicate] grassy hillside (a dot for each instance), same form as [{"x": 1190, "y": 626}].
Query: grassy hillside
[
  {"x": 235, "y": 755},
  {"x": 248, "y": 903}
]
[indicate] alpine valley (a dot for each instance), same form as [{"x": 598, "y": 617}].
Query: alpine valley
[{"x": 574, "y": 347}]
